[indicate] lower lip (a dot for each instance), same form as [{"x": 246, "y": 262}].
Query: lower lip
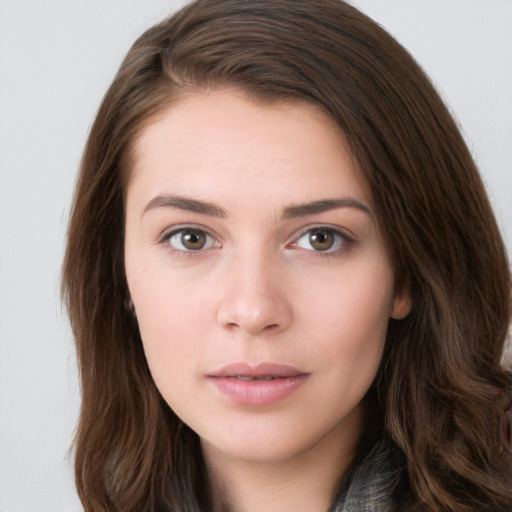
[{"x": 257, "y": 392}]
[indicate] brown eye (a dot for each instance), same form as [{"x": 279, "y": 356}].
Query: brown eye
[
  {"x": 189, "y": 239},
  {"x": 324, "y": 239},
  {"x": 193, "y": 240},
  {"x": 321, "y": 239}
]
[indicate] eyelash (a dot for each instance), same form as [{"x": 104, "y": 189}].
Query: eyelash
[{"x": 343, "y": 241}]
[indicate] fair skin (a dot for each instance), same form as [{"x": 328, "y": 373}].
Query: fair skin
[{"x": 262, "y": 289}]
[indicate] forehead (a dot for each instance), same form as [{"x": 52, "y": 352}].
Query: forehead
[{"x": 207, "y": 141}]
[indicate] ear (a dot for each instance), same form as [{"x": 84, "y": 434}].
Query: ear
[{"x": 402, "y": 303}]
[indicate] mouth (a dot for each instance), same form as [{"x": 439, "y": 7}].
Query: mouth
[
  {"x": 261, "y": 371},
  {"x": 256, "y": 385},
  {"x": 248, "y": 379}
]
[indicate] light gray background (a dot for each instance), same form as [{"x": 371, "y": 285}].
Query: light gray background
[{"x": 57, "y": 59}]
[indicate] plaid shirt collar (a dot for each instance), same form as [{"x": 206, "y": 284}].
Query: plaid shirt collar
[{"x": 370, "y": 486}]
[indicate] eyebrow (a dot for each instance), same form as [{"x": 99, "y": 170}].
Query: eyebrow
[
  {"x": 187, "y": 204},
  {"x": 290, "y": 212},
  {"x": 324, "y": 205}
]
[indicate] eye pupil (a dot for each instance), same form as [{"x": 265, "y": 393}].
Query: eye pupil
[
  {"x": 321, "y": 239},
  {"x": 193, "y": 240}
]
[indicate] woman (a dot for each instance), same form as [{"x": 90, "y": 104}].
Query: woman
[{"x": 286, "y": 283}]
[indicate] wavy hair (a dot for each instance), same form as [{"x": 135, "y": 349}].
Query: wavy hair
[{"x": 441, "y": 385}]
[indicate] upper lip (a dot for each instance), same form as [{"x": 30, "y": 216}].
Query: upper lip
[{"x": 257, "y": 370}]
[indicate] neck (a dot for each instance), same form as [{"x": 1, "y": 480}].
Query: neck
[{"x": 305, "y": 482}]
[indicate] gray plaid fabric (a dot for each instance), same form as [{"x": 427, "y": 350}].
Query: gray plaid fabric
[{"x": 370, "y": 486}]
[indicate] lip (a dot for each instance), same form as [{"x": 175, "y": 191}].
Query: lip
[
  {"x": 257, "y": 370},
  {"x": 256, "y": 385}
]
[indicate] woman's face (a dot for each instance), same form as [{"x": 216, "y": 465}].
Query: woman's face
[{"x": 260, "y": 280}]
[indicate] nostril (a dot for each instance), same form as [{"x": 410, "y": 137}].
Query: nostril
[
  {"x": 254, "y": 316},
  {"x": 235, "y": 326}
]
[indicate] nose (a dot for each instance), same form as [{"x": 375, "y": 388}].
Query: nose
[{"x": 254, "y": 299}]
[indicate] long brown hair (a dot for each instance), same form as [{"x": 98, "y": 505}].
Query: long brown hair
[{"x": 441, "y": 386}]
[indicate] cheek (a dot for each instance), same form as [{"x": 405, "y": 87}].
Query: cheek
[
  {"x": 174, "y": 312},
  {"x": 164, "y": 316},
  {"x": 349, "y": 318},
  {"x": 166, "y": 321},
  {"x": 169, "y": 352}
]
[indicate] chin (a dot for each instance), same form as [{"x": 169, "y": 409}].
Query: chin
[{"x": 273, "y": 444}]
